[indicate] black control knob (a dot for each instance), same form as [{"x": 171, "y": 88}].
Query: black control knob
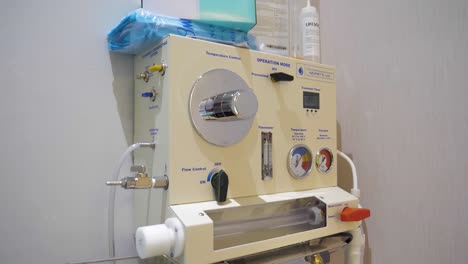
[
  {"x": 220, "y": 183},
  {"x": 281, "y": 76}
]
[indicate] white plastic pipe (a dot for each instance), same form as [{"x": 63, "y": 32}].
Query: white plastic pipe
[
  {"x": 355, "y": 190},
  {"x": 355, "y": 249}
]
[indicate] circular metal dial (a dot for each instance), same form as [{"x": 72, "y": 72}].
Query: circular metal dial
[
  {"x": 222, "y": 107},
  {"x": 324, "y": 160},
  {"x": 300, "y": 161}
]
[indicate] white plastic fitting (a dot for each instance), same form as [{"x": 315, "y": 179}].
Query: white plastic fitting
[{"x": 157, "y": 240}]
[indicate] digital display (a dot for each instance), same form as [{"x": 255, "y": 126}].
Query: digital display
[{"x": 311, "y": 100}]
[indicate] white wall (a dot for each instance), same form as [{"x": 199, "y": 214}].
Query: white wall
[
  {"x": 66, "y": 116},
  {"x": 402, "y": 108}
]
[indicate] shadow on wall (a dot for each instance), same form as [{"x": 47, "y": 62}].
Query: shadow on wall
[
  {"x": 345, "y": 176},
  {"x": 122, "y": 69},
  {"x": 345, "y": 182}
]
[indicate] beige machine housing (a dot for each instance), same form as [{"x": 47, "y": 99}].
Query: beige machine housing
[{"x": 187, "y": 158}]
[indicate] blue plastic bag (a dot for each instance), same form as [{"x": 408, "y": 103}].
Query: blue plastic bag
[{"x": 141, "y": 29}]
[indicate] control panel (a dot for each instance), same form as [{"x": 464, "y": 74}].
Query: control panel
[{"x": 231, "y": 122}]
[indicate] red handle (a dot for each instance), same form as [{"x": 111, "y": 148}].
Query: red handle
[{"x": 354, "y": 214}]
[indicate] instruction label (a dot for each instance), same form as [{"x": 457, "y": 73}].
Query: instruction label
[
  {"x": 323, "y": 134},
  {"x": 214, "y": 54},
  {"x": 193, "y": 169},
  {"x": 298, "y": 134},
  {"x": 153, "y": 131}
]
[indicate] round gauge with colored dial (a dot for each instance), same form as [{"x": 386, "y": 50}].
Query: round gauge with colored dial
[
  {"x": 324, "y": 160},
  {"x": 300, "y": 161}
]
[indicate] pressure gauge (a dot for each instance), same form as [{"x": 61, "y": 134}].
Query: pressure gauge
[
  {"x": 300, "y": 161},
  {"x": 324, "y": 160}
]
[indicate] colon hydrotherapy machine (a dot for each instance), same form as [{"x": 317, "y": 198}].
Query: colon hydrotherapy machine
[{"x": 240, "y": 159}]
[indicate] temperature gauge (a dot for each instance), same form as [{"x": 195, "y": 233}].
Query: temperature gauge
[
  {"x": 300, "y": 161},
  {"x": 324, "y": 160}
]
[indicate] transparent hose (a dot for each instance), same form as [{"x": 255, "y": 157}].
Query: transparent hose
[{"x": 111, "y": 207}]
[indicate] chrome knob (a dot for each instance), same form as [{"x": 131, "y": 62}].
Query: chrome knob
[{"x": 232, "y": 105}]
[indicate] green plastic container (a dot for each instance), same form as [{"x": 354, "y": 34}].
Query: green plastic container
[
  {"x": 234, "y": 14},
  {"x": 238, "y": 14}
]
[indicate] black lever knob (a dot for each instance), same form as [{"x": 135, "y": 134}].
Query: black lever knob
[
  {"x": 220, "y": 183},
  {"x": 281, "y": 76}
]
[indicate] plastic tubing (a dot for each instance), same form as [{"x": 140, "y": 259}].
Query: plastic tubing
[
  {"x": 355, "y": 250},
  {"x": 111, "y": 207},
  {"x": 355, "y": 190}
]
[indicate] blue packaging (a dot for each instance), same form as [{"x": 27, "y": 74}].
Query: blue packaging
[{"x": 141, "y": 29}]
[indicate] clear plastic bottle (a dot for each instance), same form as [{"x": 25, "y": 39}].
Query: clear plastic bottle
[{"x": 310, "y": 27}]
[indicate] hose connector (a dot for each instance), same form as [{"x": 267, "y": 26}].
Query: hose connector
[
  {"x": 158, "y": 68},
  {"x": 141, "y": 180}
]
